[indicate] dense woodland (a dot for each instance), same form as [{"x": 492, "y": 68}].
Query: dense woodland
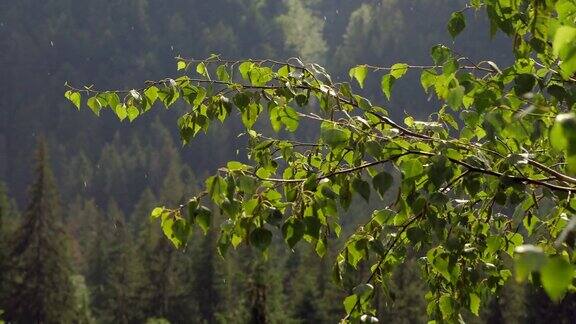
[{"x": 76, "y": 240}]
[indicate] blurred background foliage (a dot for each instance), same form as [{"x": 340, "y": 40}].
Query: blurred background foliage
[{"x": 108, "y": 173}]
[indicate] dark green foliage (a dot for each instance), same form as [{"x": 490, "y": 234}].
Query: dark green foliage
[
  {"x": 120, "y": 43},
  {"x": 39, "y": 288},
  {"x": 205, "y": 290},
  {"x": 122, "y": 282},
  {"x": 467, "y": 198},
  {"x": 8, "y": 220}
]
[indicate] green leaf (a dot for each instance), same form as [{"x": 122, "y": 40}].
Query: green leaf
[
  {"x": 523, "y": 83},
  {"x": 556, "y": 276},
  {"x": 416, "y": 234},
  {"x": 201, "y": 69},
  {"x": 456, "y": 24},
  {"x": 427, "y": 79},
  {"x": 236, "y": 166},
  {"x": 222, "y": 73},
  {"x": 293, "y": 231},
  {"x": 121, "y": 111},
  {"x": 350, "y": 303},
  {"x": 75, "y": 97},
  {"x": 359, "y": 73},
  {"x": 361, "y": 187},
  {"x": 204, "y": 218},
  {"x": 528, "y": 259},
  {"x": 384, "y": 216},
  {"x": 95, "y": 104},
  {"x": 180, "y": 65},
  {"x": 386, "y": 85},
  {"x": 382, "y": 182},
  {"x": 217, "y": 188},
  {"x": 250, "y": 115},
  {"x": 112, "y": 99},
  {"x": 241, "y": 100},
  {"x": 289, "y": 118},
  {"x": 441, "y": 54},
  {"x": 563, "y": 138},
  {"x": 261, "y": 238},
  {"x": 564, "y": 47},
  {"x": 334, "y": 135},
  {"x": 133, "y": 112},
  {"x": 398, "y": 70},
  {"x": 157, "y": 212},
  {"x": 151, "y": 94},
  {"x": 411, "y": 168},
  {"x": 245, "y": 69},
  {"x": 446, "y": 307},
  {"x": 275, "y": 119},
  {"x": 455, "y": 97},
  {"x": 563, "y": 131},
  {"x": 474, "y": 303}
]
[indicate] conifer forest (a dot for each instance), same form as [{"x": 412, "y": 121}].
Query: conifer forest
[{"x": 288, "y": 161}]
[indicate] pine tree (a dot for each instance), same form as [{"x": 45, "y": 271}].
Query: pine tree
[
  {"x": 82, "y": 221},
  {"x": 82, "y": 309},
  {"x": 40, "y": 288},
  {"x": 97, "y": 261},
  {"x": 303, "y": 287},
  {"x": 205, "y": 292},
  {"x": 404, "y": 302},
  {"x": 7, "y": 219},
  {"x": 123, "y": 275},
  {"x": 140, "y": 217},
  {"x": 168, "y": 277}
]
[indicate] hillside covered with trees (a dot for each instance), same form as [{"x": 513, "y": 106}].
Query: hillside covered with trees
[{"x": 77, "y": 240}]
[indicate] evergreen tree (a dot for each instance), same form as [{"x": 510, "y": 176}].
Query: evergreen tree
[
  {"x": 305, "y": 39},
  {"x": 205, "y": 287},
  {"x": 40, "y": 288},
  {"x": 97, "y": 261},
  {"x": 302, "y": 287},
  {"x": 140, "y": 217},
  {"x": 7, "y": 220},
  {"x": 83, "y": 218},
  {"x": 404, "y": 302},
  {"x": 123, "y": 275},
  {"x": 167, "y": 283},
  {"x": 82, "y": 310}
]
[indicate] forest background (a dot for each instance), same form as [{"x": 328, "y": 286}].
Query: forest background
[{"x": 111, "y": 173}]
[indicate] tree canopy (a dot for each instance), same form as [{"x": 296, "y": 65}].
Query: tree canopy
[{"x": 480, "y": 192}]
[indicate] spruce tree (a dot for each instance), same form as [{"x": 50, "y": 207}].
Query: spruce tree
[
  {"x": 39, "y": 286},
  {"x": 123, "y": 278},
  {"x": 7, "y": 219},
  {"x": 205, "y": 289},
  {"x": 97, "y": 261}
]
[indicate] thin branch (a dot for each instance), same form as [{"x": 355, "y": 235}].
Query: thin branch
[{"x": 383, "y": 257}]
